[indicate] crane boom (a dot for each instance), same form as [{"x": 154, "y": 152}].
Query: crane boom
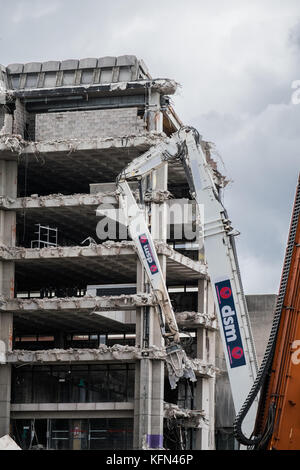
[{"x": 185, "y": 146}]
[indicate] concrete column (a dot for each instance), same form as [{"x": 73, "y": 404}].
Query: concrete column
[
  {"x": 141, "y": 421},
  {"x": 5, "y": 119},
  {"x": 8, "y": 178},
  {"x": 149, "y": 377},
  {"x": 5, "y": 390},
  {"x": 202, "y": 295},
  {"x": 212, "y": 360},
  {"x": 201, "y": 355},
  {"x": 159, "y": 232},
  {"x": 205, "y": 393},
  {"x": 8, "y": 188},
  {"x": 206, "y": 437},
  {"x": 155, "y": 117}
]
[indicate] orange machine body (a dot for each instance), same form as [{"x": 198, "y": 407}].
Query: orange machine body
[{"x": 283, "y": 391}]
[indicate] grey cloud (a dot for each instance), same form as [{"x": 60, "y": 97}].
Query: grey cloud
[
  {"x": 294, "y": 35},
  {"x": 261, "y": 155},
  {"x": 236, "y": 62}
]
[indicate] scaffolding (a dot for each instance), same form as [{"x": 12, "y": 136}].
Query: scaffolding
[{"x": 46, "y": 237}]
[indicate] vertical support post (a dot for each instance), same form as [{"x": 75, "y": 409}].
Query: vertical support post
[
  {"x": 155, "y": 117},
  {"x": 158, "y": 232},
  {"x": 149, "y": 377},
  {"x": 8, "y": 188},
  {"x": 205, "y": 391},
  {"x": 202, "y": 295}
]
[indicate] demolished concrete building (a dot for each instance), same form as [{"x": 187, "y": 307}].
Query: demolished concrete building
[{"x": 81, "y": 352}]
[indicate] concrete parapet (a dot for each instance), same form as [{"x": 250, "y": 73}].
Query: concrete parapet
[
  {"x": 18, "y": 146},
  {"x": 58, "y": 200},
  {"x": 190, "y": 418},
  {"x": 122, "y": 302},
  {"x": 196, "y": 319},
  {"x": 117, "y": 353},
  {"x": 108, "y": 248}
]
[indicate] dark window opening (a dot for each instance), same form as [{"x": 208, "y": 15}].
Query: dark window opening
[
  {"x": 73, "y": 434},
  {"x": 73, "y": 383},
  {"x": 15, "y": 81}
]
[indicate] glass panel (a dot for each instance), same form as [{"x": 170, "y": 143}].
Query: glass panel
[
  {"x": 22, "y": 432},
  {"x": 120, "y": 433},
  {"x": 98, "y": 390},
  {"x": 50, "y": 79},
  {"x": 98, "y": 367},
  {"x": 44, "y": 386},
  {"x": 60, "y": 435},
  {"x": 31, "y": 80},
  {"x": 117, "y": 388},
  {"x": 125, "y": 74},
  {"x": 87, "y": 76},
  {"x": 98, "y": 434},
  {"x": 130, "y": 385},
  {"x": 62, "y": 377},
  {"x": 106, "y": 76},
  {"x": 79, "y": 385},
  {"x": 15, "y": 81},
  {"x": 68, "y": 78},
  {"x": 108, "y": 434},
  {"x": 73, "y": 384},
  {"x": 103, "y": 433},
  {"x": 22, "y": 386}
]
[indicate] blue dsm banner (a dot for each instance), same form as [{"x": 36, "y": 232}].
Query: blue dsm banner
[
  {"x": 230, "y": 324},
  {"x": 148, "y": 253}
]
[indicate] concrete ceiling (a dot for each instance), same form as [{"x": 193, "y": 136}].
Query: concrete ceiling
[
  {"x": 74, "y": 224},
  {"x": 35, "y": 274},
  {"x": 67, "y": 172},
  {"x": 83, "y": 321}
]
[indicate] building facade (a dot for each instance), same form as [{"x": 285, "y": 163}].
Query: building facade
[{"x": 83, "y": 362}]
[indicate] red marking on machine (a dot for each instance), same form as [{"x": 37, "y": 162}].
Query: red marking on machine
[
  {"x": 225, "y": 292},
  {"x": 237, "y": 352}
]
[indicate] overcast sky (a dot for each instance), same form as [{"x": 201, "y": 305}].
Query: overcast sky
[{"x": 235, "y": 60}]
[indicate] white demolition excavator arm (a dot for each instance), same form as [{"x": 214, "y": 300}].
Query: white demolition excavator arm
[
  {"x": 177, "y": 361},
  {"x": 220, "y": 252}
]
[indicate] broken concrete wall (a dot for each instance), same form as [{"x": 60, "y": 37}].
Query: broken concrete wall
[
  {"x": 2, "y": 115},
  {"x": 30, "y": 126},
  {"x": 5, "y": 118},
  {"x": 88, "y": 124},
  {"x": 6, "y": 122},
  {"x": 3, "y": 84},
  {"x": 20, "y": 117}
]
